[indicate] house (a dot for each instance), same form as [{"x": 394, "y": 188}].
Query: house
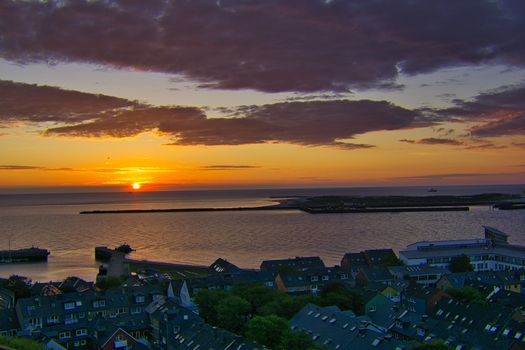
[
  {"x": 492, "y": 253},
  {"x": 376, "y": 302},
  {"x": 39, "y": 312},
  {"x": 7, "y": 299},
  {"x": 8, "y": 323},
  {"x": 45, "y": 288},
  {"x": 373, "y": 274},
  {"x": 332, "y": 328},
  {"x": 297, "y": 263},
  {"x": 485, "y": 326},
  {"x": 120, "y": 339},
  {"x": 508, "y": 280},
  {"x": 312, "y": 280},
  {"x": 421, "y": 274},
  {"x": 223, "y": 266},
  {"x": 421, "y": 299},
  {"x": 368, "y": 258},
  {"x": 175, "y": 327}
]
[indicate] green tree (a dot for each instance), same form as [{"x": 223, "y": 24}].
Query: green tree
[
  {"x": 341, "y": 296},
  {"x": 266, "y": 330},
  {"x": 283, "y": 305},
  {"x": 207, "y": 302},
  {"x": 232, "y": 313},
  {"x": 432, "y": 345},
  {"x": 460, "y": 263},
  {"x": 20, "y": 343},
  {"x": 19, "y": 285},
  {"x": 466, "y": 294},
  {"x": 296, "y": 341},
  {"x": 256, "y": 294}
]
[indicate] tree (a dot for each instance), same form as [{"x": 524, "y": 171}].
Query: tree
[
  {"x": 283, "y": 305},
  {"x": 19, "y": 285},
  {"x": 341, "y": 296},
  {"x": 296, "y": 341},
  {"x": 432, "y": 345},
  {"x": 256, "y": 294},
  {"x": 232, "y": 313},
  {"x": 20, "y": 343},
  {"x": 466, "y": 294},
  {"x": 207, "y": 302},
  {"x": 460, "y": 263},
  {"x": 393, "y": 261},
  {"x": 267, "y": 330}
]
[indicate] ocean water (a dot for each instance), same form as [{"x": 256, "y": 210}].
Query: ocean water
[{"x": 245, "y": 238}]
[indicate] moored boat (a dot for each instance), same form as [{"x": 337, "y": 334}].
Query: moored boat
[{"x": 32, "y": 254}]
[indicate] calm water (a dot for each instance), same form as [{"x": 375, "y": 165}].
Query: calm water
[{"x": 245, "y": 238}]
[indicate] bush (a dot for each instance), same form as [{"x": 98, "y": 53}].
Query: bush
[{"x": 20, "y": 343}]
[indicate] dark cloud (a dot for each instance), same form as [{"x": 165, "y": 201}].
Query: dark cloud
[
  {"x": 454, "y": 176},
  {"x": 272, "y": 45},
  {"x": 500, "y": 112},
  {"x": 309, "y": 123},
  {"x": 434, "y": 141},
  {"x": 19, "y": 167},
  {"x": 32, "y": 103},
  {"x": 32, "y": 167},
  {"x": 229, "y": 167},
  {"x": 313, "y": 123},
  {"x": 505, "y": 125},
  {"x": 483, "y": 144}
]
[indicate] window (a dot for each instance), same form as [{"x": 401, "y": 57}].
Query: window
[
  {"x": 140, "y": 299},
  {"x": 69, "y": 305},
  {"x": 344, "y": 276},
  {"x": 83, "y": 342},
  {"x": 325, "y": 278},
  {"x": 99, "y": 303},
  {"x": 78, "y": 303},
  {"x": 81, "y": 332},
  {"x": 314, "y": 278},
  {"x": 52, "y": 319},
  {"x": 64, "y": 335}
]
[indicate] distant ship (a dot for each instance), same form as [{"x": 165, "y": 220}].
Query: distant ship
[
  {"x": 32, "y": 254},
  {"x": 432, "y": 190}
]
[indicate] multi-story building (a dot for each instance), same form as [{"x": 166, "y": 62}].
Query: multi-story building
[{"x": 492, "y": 253}]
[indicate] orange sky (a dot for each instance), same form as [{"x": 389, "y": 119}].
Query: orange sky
[{"x": 293, "y": 103}]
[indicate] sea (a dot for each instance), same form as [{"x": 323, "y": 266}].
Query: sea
[{"x": 245, "y": 238}]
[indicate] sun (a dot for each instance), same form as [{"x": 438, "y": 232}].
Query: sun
[{"x": 136, "y": 186}]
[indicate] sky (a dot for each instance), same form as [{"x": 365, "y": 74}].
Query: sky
[{"x": 196, "y": 94}]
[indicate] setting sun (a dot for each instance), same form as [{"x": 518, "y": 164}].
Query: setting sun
[{"x": 136, "y": 186}]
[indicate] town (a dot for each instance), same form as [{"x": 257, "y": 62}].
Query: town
[{"x": 461, "y": 294}]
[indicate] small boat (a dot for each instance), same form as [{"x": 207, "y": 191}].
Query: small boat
[{"x": 432, "y": 190}]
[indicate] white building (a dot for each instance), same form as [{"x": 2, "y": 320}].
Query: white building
[{"x": 493, "y": 253}]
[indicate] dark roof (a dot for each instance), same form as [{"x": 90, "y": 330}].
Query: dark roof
[
  {"x": 223, "y": 266},
  {"x": 294, "y": 263},
  {"x": 488, "y": 326},
  {"x": 376, "y": 273},
  {"x": 316, "y": 276},
  {"x": 334, "y": 329}
]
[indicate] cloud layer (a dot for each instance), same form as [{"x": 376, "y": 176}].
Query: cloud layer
[
  {"x": 308, "y": 123},
  {"x": 501, "y": 111},
  {"x": 31, "y": 103},
  {"x": 272, "y": 45}
]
